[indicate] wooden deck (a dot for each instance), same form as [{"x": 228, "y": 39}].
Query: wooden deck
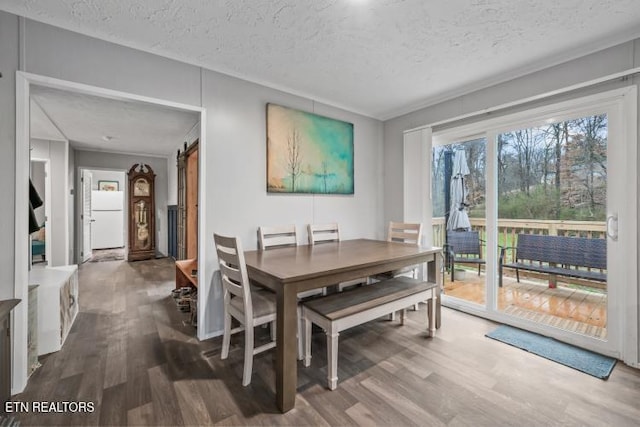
[{"x": 576, "y": 310}]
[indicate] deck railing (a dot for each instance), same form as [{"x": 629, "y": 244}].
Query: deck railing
[{"x": 508, "y": 229}]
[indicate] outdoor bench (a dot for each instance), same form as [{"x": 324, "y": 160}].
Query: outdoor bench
[
  {"x": 578, "y": 257},
  {"x": 337, "y": 312}
]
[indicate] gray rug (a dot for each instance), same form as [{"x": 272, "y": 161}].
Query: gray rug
[
  {"x": 577, "y": 358},
  {"x": 100, "y": 255}
]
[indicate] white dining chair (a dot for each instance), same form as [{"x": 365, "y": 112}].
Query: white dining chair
[
  {"x": 281, "y": 237},
  {"x": 326, "y": 233},
  {"x": 403, "y": 232},
  {"x": 249, "y": 308}
]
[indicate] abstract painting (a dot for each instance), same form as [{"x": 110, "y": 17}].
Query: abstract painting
[{"x": 308, "y": 153}]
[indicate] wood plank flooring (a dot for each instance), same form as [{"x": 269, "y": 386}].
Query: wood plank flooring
[{"x": 130, "y": 353}]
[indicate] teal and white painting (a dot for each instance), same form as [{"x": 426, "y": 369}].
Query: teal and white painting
[{"x": 308, "y": 153}]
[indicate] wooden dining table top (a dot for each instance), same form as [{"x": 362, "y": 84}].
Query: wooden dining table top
[{"x": 298, "y": 263}]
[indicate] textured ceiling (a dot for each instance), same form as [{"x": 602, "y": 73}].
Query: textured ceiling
[
  {"x": 377, "y": 57},
  {"x": 133, "y": 126}
]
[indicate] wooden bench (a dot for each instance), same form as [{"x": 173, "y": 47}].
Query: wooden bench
[
  {"x": 337, "y": 312},
  {"x": 578, "y": 257}
]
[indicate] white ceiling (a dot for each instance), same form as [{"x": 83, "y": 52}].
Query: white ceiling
[
  {"x": 377, "y": 57},
  {"x": 84, "y": 120}
]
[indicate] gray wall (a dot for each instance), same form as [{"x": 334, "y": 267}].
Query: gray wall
[
  {"x": 108, "y": 175},
  {"x": 8, "y": 67},
  {"x": 236, "y": 200},
  {"x": 99, "y": 160}
]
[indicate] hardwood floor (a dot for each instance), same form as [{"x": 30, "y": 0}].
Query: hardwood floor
[{"x": 130, "y": 353}]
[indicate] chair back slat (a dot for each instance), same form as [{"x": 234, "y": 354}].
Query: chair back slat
[
  {"x": 280, "y": 236},
  {"x": 404, "y": 232},
  {"x": 233, "y": 270},
  {"x": 321, "y": 233}
]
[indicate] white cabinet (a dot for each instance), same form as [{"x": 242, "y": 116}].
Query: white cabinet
[{"x": 57, "y": 304}]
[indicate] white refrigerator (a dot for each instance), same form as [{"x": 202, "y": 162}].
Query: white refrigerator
[{"x": 107, "y": 216}]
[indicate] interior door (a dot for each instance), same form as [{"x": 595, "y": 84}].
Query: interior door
[
  {"x": 192, "y": 203},
  {"x": 86, "y": 215}
]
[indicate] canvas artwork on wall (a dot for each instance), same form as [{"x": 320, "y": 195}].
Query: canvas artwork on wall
[{"x": 308, "y": 153}]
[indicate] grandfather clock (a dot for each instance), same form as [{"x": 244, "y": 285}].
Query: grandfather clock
[{"x": 142, "y": 224}]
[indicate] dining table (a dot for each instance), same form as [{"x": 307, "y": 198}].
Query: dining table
[{"x": 290, "y": 270}]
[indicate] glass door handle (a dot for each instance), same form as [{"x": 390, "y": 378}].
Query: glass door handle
[{"x": 612, "y": 227}]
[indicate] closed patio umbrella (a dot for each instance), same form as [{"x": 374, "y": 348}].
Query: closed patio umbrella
[{"x": 458, "y": 217}]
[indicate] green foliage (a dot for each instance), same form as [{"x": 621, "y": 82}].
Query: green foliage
[{"x": 543, "y": 203}]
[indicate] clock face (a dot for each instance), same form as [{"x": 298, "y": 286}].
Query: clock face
[{"x": 141, "y": 187}]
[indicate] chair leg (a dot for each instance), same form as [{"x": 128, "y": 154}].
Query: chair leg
[
  {"x": 300, "y": 333},
  {"x": 248, "y": 354},
  {"x": 307, "y": 342},
  {"x": 226, "y": 339},
  {"x": 518, "y": 275},
  {"x": 478, "y": 269},
  {"x": 453, "y": 268},
  {"x": 332, "y": 356}
]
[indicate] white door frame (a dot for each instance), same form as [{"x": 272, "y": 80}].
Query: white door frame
[
  {"x": 621, "y": 105},
  {"x": 82, "y": 256},
  {"x": 22, "y": 251}
]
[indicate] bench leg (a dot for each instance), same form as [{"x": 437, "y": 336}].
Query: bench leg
[
  {"x": 306, "y": 333},
  {"x": 332, "y": 358},
  {"x": 518, "y": 275},
  {"x": 403, "y": 315}
]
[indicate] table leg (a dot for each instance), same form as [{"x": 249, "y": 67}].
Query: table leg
[{"x": 286, "y": 344}]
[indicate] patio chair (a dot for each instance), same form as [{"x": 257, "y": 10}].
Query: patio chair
[{"x": 463, "y": 247}]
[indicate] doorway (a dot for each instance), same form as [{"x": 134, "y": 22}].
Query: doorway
[
  {"x": 103, "y": 215},
  {"x": 26, "y": 85},
  {"x": 544, "y": 173}
]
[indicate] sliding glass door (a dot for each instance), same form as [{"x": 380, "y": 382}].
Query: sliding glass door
[{"x": 532, "y": 220}]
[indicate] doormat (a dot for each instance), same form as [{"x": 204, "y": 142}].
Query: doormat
[
  {"x": 585, "y": 361},
  {"x": 100, "y": 255}
]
